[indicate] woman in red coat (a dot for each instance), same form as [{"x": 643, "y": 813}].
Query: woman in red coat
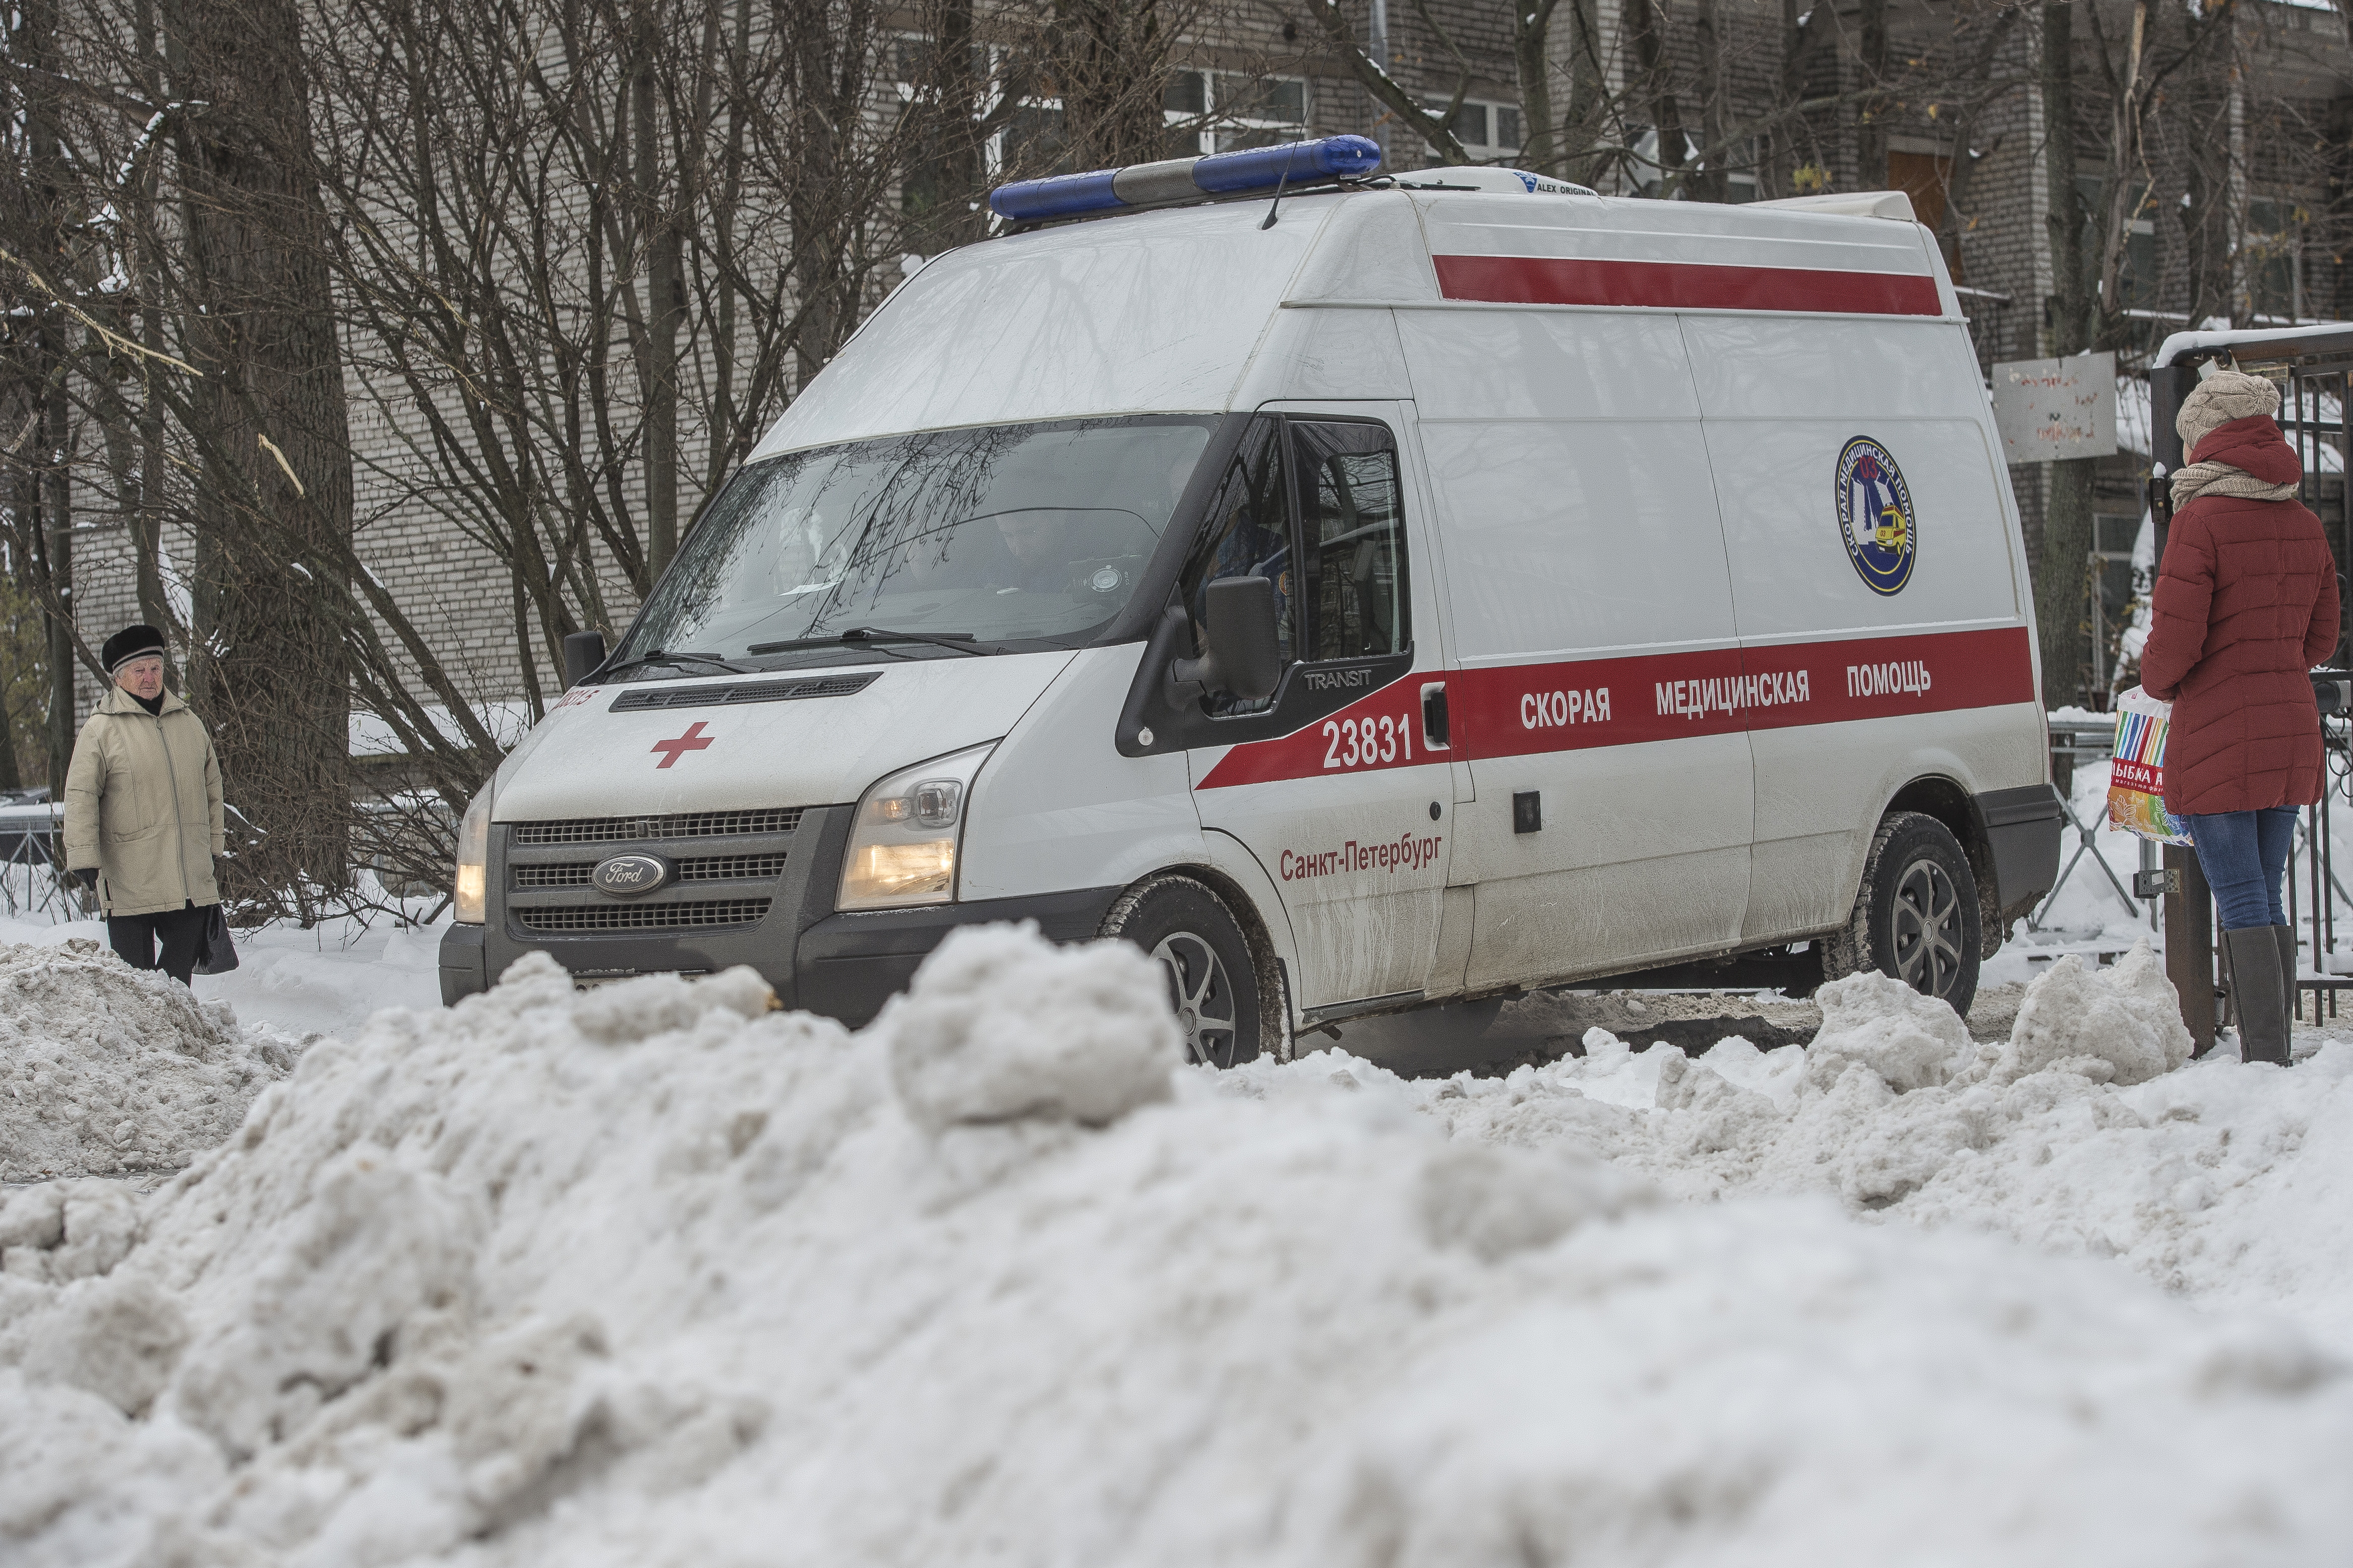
[{"x": 2246, "y": 605}]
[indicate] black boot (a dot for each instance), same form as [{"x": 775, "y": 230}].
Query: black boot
[
  {"x": 2256, "y": 996},
  {"x": 2284, "y": 937}
]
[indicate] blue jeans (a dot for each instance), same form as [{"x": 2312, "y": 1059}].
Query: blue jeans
[{"x": 2244, "y": 855}]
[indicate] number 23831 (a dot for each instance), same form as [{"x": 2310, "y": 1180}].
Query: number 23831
[{"x": 1367, "y": 742}]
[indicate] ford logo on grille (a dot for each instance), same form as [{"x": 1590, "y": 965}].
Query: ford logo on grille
[{"x": 626, "y": 875}]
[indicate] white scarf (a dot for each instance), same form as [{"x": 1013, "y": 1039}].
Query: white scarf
[{"x": 2212, "y": 477}]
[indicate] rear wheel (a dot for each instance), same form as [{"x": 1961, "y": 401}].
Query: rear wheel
[
  {"x": 1916, "y": 917},
  {"x": 1213, "y": 978}
]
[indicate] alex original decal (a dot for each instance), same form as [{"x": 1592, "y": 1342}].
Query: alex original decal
[{"x": 1876, "y": 516}]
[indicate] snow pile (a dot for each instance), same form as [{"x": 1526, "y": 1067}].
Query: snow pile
[
  {"x": 104, "y": 1068},
  {"x": 999, "y": 1031},
  {"x": 654, "y": 1276},
  {"x": 2085, "y": 1134},
  {"x": 1906, "y": 1040},
  {"x": 2127, "y": 1020}
]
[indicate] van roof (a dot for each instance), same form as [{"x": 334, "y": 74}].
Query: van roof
[{"x": 1161, "y": 311}]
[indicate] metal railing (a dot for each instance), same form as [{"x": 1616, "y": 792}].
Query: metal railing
[
  {"x": 2312, "y": 871},
  {"x": 2084, "y": 741},
  {"x": 32, "y": 881},
  {"x": 2314, "y": 367}
]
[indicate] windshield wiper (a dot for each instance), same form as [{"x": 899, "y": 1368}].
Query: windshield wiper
[
  {"x": 960, "y": 642},
  {"x": 658, "y": 657}
]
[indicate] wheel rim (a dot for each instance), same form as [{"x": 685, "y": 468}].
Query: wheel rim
[
  {"x": 1203, "y": 998},
  {"x": 1927, "y": 932}
]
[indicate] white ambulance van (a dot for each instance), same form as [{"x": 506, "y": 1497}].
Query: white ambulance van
[{"x": 1367, "y": 594}]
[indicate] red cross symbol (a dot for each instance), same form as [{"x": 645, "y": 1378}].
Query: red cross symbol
[{"x": 694, "y": 740}]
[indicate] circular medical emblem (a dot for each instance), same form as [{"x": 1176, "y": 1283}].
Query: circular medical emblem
[
  {"x": 1877, "y": 515},
  {"x": 626, "y": 875}
]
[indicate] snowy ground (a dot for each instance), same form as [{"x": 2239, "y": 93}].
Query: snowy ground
[
  {"x": 652, "y": 1275},
  {"x": 328, "y": 980}
]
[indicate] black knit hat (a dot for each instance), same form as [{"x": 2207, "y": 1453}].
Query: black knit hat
[{"x": 130, "y": 643}]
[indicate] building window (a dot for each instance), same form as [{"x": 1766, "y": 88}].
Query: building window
[
  {"x": 1487, "y": 131},
  {"x": 1651, "y": 174},
  {"x": 2136, "y": 267},
  {"x": 1220, "y": 111},
  {"x": 2270, "y": 257}
]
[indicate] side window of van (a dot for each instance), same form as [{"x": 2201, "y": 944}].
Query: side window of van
[
  {"x": 1248, "y": 531},
  {"x": 1352, "y": 583}
]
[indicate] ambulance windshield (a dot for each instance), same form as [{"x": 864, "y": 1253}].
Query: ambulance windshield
[{"x": 1028, "y": 535}]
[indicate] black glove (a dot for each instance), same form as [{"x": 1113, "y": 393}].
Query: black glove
[{"x": 88, "y": 877}]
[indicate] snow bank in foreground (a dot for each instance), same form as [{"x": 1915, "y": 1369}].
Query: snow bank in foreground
[
  {"x": 2083, "y": 1134},
  {"x": 105, "y": 1068},
  {"x": 653, "y": 1276}
]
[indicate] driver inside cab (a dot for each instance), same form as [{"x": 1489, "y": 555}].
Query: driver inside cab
[{"x": 1038, "y": 540}]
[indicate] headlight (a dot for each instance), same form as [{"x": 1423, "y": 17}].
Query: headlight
[
  {"x": 473, "y": 860},
  {"x": 903, "y": 841}
]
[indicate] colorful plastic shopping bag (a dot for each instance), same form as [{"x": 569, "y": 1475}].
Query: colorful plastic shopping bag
[{"x": 2137, "y": 774}]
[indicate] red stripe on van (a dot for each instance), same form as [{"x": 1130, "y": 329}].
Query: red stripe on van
[
  {"x": 1682, "y": 286},
  {"x": 1516, "y": 711}
]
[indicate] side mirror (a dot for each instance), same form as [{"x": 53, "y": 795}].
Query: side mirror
[
  {"x": 583, "y": 652},
  {"x": 1244, "y": 657}
]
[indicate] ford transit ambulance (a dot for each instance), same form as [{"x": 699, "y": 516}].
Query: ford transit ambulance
[{"x": 1356, "y": 592}]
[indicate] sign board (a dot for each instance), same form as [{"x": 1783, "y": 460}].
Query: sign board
[{"x": 2052, "y": 408}]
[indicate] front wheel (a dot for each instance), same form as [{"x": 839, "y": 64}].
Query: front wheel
[
  {"x": 1916, "y": 917},
  {"x": 1213, "y": 984}
]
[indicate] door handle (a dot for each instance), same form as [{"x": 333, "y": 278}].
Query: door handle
[{"x": 1435, "y": 735}]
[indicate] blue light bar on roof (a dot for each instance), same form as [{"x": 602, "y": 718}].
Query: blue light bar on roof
[{"x": 1186, "y": 179}]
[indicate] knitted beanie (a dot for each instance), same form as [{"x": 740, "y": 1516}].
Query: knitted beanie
[
  {"x": 130, "y": 643},
  {"x": 2225, "y": 395}
]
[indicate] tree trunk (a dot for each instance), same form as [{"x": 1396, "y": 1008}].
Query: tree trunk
[
  {"x": 2066, "y": 539},
  {"x": 1532, "y": 62},
  {"x": 1871, "y": 107},
  {"x": 57, "y": 529},
  {"x": 1659, "y": 83},
  {"x": 47, "y": 180},
  {"x": 1803, "y": 28},
  {"x": 274, "y": 490},
  {"x": 1709, "y": 182},
  {"x": 147, "y": 520},
  {"x": 1588, "y": 98},
  {"x": 946, "y": 179},
  {"x": 1109, "y": 57},
  {"x": 12, "y": 776},
  {"x": 659, "y": 212}
]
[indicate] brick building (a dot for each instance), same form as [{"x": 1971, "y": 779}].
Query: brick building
[{"x": 2235, "y": 206}]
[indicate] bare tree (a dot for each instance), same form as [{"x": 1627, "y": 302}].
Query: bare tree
[{"x": 2087, "y": 240}]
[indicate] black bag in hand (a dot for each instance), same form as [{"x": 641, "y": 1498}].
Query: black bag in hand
[{"x": 216, "y": 954}]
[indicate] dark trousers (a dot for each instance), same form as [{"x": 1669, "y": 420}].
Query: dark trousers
[
  {"x": 2244, "y": 854},
  {"x": 135, "y": 936}
]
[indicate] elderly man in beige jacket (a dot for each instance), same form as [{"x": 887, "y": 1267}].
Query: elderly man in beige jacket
[{"x": 143, "y": 810}]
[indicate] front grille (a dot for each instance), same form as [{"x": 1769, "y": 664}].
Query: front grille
[
  {"x": 730, "y": 867},
  {"x": 644, "y": 916},
  {"x": 551, "y": 876},
  {"x": 640, "y": 829},
  {"x": 712, "y": 868},
  {"x": 750, "y": 691}
]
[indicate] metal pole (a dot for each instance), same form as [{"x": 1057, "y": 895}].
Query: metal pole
[
  {"x": 2190, "y": 943},
  {"x": 2189, "y": 906}
]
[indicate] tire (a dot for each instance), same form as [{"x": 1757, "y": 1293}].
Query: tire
[
  {"x": 1916, "y": 915},
  {"x": 1213, "y": 976}
]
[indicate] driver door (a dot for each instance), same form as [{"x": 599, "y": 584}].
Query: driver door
[{"x": 1336, "y": 784}]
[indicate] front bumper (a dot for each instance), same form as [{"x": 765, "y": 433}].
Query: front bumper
[
  {"x": 850, "y": 963},
  {"x": 844, "y": 965}
]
